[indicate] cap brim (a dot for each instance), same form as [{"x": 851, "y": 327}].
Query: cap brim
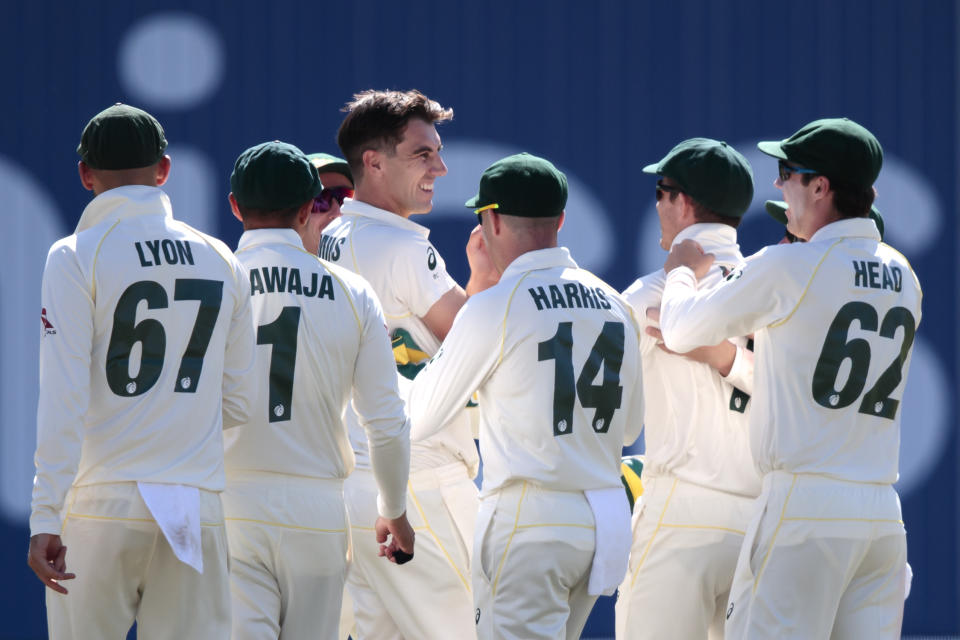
[
  {"x": 772, "y": 148},
  {"x": 472, "y": 202},
  {"x": 777, "y": 210},
  {"x": 652, "y": 168}
]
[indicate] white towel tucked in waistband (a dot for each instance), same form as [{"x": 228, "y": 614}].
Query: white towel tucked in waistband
[
  {"x": 176, "y": 509},
  {"x": 611, "y": 514}
]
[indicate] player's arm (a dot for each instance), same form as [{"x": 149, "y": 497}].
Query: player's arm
[
  {"x": 634, "y": 399},
  {"x": 483, "y": 275},
  {"x": 65, "y": 360},
  {"x": 381, "y": 411},
  {"x": 238, "y": 383},
  {"x": 752, "y": 297},
  {"x": 459, "y": 368},
  {"x": 440, "y": 317}
]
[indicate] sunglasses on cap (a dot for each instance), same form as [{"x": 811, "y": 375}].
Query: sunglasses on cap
[
  {"x": 785, "y": 170},
  {"x": 323, "y": 202},
  {"x": 480, "y": 211},
  {"x": 666, "y": 188}
]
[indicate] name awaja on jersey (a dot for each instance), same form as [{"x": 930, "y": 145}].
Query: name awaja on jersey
[{"x": 289, "y": 280}]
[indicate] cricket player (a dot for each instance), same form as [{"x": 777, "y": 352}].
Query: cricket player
[
  {"x": 834, "y": 320},
  {"x": 321, "y": 339},
  {"x": 698, "y": 477},
  {"x": 553, "y": 353},
  {"x": 390, "y": 141},
  {"x": 147, "y": 343},
  {"x": 337, "y": 186}
]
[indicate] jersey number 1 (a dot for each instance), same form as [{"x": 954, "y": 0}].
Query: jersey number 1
[
  {"x": 282, "y": 335},
  {"x": 604, "y": 397}
]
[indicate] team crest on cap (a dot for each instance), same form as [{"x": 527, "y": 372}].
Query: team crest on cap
[{"x": 48, "y": 328}]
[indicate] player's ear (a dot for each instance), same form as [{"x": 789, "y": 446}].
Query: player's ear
[
  {"x": 372, "y": 161},
  {"x": 563, "y": 216},
  {"x": 234, "y": 208},
  {"x": 304, "y": 213},
  {"x": 163, "y": 170},
  {"x": 86, "y": 175}
]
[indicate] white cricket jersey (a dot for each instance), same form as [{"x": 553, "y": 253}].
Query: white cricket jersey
[
  {"x": 409, "y": 277},
  {"x": 320, "y": 337},
  {"x": 834, "y": 321},
  {"x": 696, "y": 422},
  {"x": 145, "y": 323},
  {"x": 553, "y": 352}
]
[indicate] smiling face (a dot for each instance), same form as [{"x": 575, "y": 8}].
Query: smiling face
[{"x": 410, "y": 171}]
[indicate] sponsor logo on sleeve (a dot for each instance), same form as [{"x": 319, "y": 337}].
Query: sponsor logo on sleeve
[
  {"x": 431, "y": 259},
  {"x": 48, "y": 328}
]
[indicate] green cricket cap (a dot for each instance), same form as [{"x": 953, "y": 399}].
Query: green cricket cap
[
  {"x": 711, "y": 172},
  {"x": 122, "y": 137},
  {"x": 778, "y": 211},
  {"x": 273, "y": 176},
  {"x": 324, "y": 162},
  {"x": 522, "y": 185},
  {"x": 838, "y": 148}
]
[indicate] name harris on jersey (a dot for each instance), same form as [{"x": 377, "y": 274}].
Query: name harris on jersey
[{"x": 568, "y": 295}]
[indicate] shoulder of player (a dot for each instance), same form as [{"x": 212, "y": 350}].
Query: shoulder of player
[{"x": 645, "y": 291}]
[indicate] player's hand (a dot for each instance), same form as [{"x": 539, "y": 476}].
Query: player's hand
[
  {"x": 48, "y": 559},
  {"x": 483, "y": 273},
  {"x": 719, "y": 356},
  {"x": 689, "y": 254},
  {"x": 401, "y": 534}
]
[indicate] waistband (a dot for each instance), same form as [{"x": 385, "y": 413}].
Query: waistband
[
  {"x": 237, "y": 477},
  {"x": 442, "y": 475}
]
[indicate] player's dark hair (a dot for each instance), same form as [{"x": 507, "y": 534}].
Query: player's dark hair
[
  {"x": 850, "y": 201},
  {"x": 376, "y": 120},
  {"x": 283, "y": 217}
]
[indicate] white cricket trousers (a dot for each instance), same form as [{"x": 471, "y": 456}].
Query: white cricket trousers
[
  {"x": 126, "y": 570},
  {"x": 289, "y": 543},
  {"x": 533, "y": 553},
  {"x": 686, "y": 540},
  {"x": 822, "y": 558},
  {"x": 430, "y": 596}
]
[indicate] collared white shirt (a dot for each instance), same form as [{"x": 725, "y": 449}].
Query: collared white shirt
[
  {"x": 321, "y": 340},
  {"x": 834, "y": 320},
  {"x": 146, "y": 346},
  {"x": 553, "y": 352},
  {"x": 409, "y": 276},
  {"x": 696, "y": 422}
]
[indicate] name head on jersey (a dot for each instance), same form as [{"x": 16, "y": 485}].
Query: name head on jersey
[
  {"x": 326, "y": 163},
  {"x": 711, "y": 172},
  {"x": 522, "y": 185},
  {"x": 778, "y": 211},
  {"x": 838, "y": 148},
  {"x": 273, "y": 176},
  {"x": 122, "y": 137}
]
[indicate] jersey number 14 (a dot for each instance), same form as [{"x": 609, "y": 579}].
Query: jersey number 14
[{"x": 605, "y": 397}]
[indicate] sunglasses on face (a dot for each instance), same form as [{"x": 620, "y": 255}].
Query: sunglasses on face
[
  {"x": 323, "y": 202},
  {"x": 666, "y": 188},
  {"x": 785, "y": 170}
]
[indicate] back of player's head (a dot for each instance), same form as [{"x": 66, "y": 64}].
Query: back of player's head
[
  {"x": 376, "y": 120},
  {"x": 121, "y": 138},
  {"x": 523, "y": 186},
  {"x": 273, "y": 177},
  {"x": 712, "y": 172}
]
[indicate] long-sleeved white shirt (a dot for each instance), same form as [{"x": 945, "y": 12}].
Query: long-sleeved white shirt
[
  {"x": 696, "y": 422},
  {"x": 395, "y": 256},
  {"x": 834, "y": 320},
  {"x": 321, "y": 337},
  {"x": 146, "y": 347},
  {"x": 552, "y": 352}
]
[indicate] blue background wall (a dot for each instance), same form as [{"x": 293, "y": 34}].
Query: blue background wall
[{"x": 600, "y": 89}]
